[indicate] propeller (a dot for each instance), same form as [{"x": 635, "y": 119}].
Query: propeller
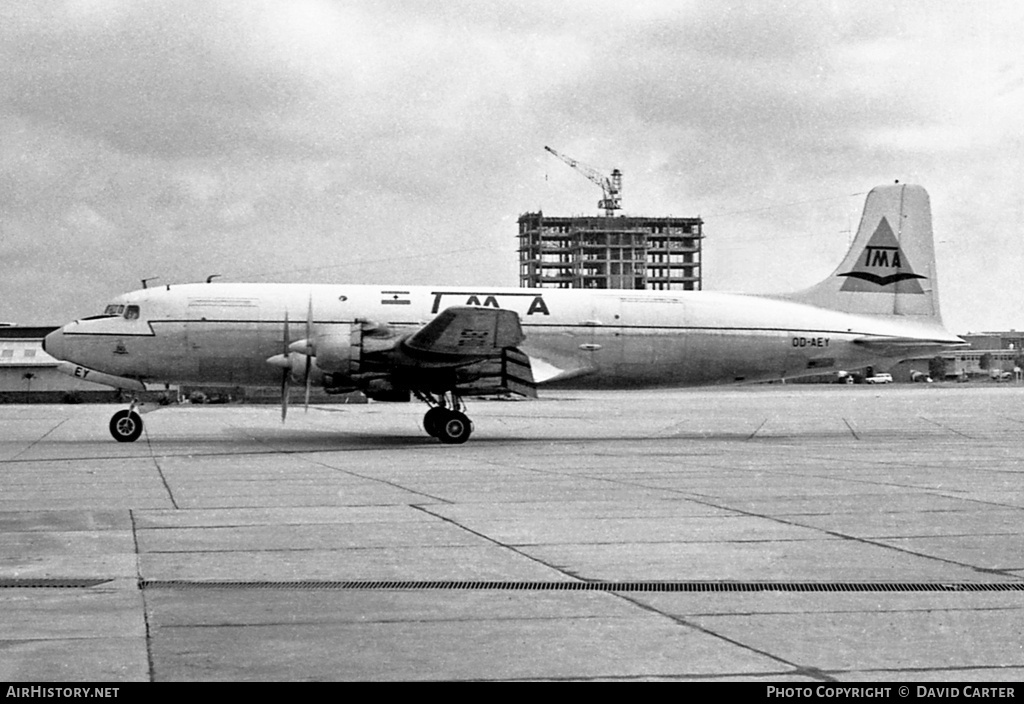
[{"x": 288, "y": 362}]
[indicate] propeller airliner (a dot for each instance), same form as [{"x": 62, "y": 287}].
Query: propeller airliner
[{"x": 443, "y": 344}]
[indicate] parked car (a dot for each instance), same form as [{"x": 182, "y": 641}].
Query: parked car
[
  {"x": 879, "y": 379},
  {"x": 844, "y": 377},
  {"x": 1000, "y": 375},
  {"x": 921, "y": 377}
]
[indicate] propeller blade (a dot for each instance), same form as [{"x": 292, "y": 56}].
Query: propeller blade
[
  {"x": 309, "y": 363},
  {"x": 284, "y": 394},
  {"x": 286, "y": 373},
  {"x": 309, "y": 348}
]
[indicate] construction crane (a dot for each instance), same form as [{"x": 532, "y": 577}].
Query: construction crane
[{"x": 610, "y": 186}]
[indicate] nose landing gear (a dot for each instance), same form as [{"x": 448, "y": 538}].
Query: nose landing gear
[{"x": 126, "y": 426}]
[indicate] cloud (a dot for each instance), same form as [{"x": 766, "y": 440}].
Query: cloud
[{"x": 259, "y": 137}]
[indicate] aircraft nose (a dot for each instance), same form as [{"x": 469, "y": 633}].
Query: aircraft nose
[{"x": 53, "y": 344}]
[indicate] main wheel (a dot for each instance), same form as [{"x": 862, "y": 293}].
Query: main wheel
[
  {"x": 433, "y": 420},
  {"x": 454, "y": 429},
  {"x": 126, "y": 426}
]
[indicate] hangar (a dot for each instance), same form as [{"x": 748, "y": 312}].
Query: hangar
[{"x": 27, "y": 373}]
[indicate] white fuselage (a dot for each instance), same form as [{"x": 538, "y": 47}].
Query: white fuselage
[{"x": 223, "y": 334}]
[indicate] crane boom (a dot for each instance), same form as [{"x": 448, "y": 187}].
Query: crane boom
[{"x": 611, "y": 187}]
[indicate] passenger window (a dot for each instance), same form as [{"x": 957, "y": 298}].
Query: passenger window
[{"x": 131, "y": 313}]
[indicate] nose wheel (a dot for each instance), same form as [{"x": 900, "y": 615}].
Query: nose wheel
[{"x": 126, "y": 426}]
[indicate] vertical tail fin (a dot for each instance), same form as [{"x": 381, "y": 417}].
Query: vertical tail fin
[{"x": 890, "y": 268}]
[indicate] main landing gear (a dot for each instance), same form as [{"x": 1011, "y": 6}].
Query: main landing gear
[
  {"x": 446, "y": 420},
  {"x": 126, "y": 426}
]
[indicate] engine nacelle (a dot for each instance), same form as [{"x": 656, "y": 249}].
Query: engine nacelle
[
  {"x": 338, "y": 348},
  {"x": 347, "y": 350}
]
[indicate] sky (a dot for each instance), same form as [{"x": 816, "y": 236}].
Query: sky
[{"x": 398, "y": 142}]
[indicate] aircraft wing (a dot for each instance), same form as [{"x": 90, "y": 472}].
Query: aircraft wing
[
  {"x": 481, "y": 344},
  {"x": 468, "y": 332}
]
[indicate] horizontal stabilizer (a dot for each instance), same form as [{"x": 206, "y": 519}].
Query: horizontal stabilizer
[
  {"x": 898, "y": 343},
  {"x": 468, "y": 332}
]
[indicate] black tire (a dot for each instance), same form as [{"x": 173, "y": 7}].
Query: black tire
[
  {"x": 433, "y": 419},
  {"x": 455, "y": 429},
  {"x": 126, "y": 426}
]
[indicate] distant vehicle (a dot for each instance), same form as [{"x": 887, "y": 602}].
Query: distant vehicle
[
  {"x": 919, "y": 377},
  {"x": 879, "y": 379},
  {"x": 1000, "y": 375},
  {"x": 844, "y": 377}
]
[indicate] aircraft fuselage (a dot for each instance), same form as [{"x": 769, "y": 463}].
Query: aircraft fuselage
[{"x": 223, "y": 334}]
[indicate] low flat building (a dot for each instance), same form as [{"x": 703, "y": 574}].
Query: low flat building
[
  {"x": 989, "y": 354},
  {"x": 27, "y": 373}
]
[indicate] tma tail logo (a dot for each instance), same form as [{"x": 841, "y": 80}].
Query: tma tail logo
[{"x": 883, "y": 264}]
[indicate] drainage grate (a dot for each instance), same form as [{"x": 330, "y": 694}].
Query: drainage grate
[
  {"x": 596, "y": 586},
  {"x": 50, "y": 583}
]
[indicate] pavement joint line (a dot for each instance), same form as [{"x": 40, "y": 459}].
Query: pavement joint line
[
  {"x": 945, "y": 669},
  {"x": 757, "y": 430},
  {"x": 852, "y": 431},
  {"x": 708, "y": 500},
  {"x": 837, "y": 534},
  {"x": 276, "y": 450},
  {"x": 854, "y": 480},
  {"x": 680, "y": 621},
  {"x": 493, "y": 541},
  {"x": 36, "y": 441},
  {"x": 159, "y": 470},
  {"x": 150, "y": 664},
  {"x": 947, "y": 428}
]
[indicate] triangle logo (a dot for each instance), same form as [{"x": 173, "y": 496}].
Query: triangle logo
[{"x": 883, "y": 267}]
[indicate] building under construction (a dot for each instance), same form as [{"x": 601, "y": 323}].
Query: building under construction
[{"x": 610, "y": 252}]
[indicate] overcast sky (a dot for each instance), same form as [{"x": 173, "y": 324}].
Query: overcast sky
[{"x": 398, "y": 142}]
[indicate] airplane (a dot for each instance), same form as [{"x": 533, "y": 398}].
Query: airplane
[{"x": 443, "y": 344}]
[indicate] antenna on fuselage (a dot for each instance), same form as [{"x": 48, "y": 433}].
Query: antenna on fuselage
[
  {"x": 211, "y": 277},
  {"x": 145, "y": 282}
]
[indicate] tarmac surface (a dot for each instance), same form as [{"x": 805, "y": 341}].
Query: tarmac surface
[{"x": 801, "y": 534}]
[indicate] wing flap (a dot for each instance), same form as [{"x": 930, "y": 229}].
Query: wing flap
[{"x": 508, "y": 373}]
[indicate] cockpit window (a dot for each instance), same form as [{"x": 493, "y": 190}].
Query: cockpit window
[
  {"x": 131, "y": 313},
  {"x": 114, "y": 309}
]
